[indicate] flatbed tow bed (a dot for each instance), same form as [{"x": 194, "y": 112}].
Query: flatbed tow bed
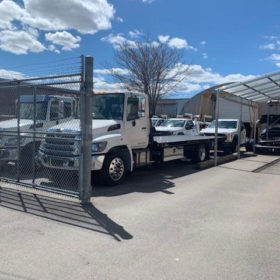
[
  {"x": 184, "y": 139},
  {"x": 167, "y": 148}
]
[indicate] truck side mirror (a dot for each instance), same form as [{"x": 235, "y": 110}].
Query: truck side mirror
[
  {"x": 189, "y": 126},
  {"x": 60, "y": 109}
]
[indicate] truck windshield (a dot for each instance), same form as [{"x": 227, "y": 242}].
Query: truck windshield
[
  {"x": 108, "y": 106},
  {"x": 173, "y": 123},
  {"x": 224, "y": 124},
  {"x": 27, "y": 110}
]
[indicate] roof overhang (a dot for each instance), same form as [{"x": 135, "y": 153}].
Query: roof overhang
[{"x": 262, "y": 89}]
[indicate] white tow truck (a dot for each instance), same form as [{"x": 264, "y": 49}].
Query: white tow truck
[
  {"x": 229, "y": 129},
  {"x": 50, "y": 111},
  {"x": 123, "y": 139}
]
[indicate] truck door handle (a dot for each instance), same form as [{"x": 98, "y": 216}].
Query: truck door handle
[
  {"x": 133, "y": 123},
  {"x": 143, "y": 128}
]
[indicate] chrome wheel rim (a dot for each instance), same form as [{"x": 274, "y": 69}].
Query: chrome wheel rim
[{"x": 116, "y": 169}]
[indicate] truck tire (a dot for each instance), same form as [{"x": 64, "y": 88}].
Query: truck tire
[
  {"x": 27, "y": 160},
  {"x": 200, "y": 153},
  {"x": 114, "y": 168},
  {"x": 234, "y": 147}
]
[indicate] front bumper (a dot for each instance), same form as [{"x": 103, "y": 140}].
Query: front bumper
[
  {"x": 7, "y": 154},
  {"x": 69, "y": 163}
]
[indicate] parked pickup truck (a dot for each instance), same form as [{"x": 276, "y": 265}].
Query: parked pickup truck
[
  {"x": 50, "y": 111},
  {"x": 178, "y": 126},
  {"x": 229, "y": 129},
  {"x": 122, "y": 139}
]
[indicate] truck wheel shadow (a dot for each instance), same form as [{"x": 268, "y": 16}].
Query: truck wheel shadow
[
  {"x": 66, "y": 212},
  {"x": 149, "y": 179}
]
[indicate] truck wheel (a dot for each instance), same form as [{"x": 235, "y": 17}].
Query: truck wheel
[
  {"x": 114, "y": 168},
  {"x": 234, "y": 147},
  {"x": 27, "y": 160},
  {"x": 200, "y": 153}
]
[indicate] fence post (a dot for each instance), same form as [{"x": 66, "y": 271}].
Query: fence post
[
  {"x": 216, "y": 127},
  {"x": 86, "y": 129}
]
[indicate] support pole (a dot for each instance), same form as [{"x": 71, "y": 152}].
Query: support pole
[
  {"x": 267, "y": 119},
  {"x": 239, "y": 129},
  {"x": 216, "y": 128},
  {"x": 18, "y": 132},
  {"x": 255, "y": 132},
  {"x": 86, "y": 129},
  {"x": 34, "y": 137}
]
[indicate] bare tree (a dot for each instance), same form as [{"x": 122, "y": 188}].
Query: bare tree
[{"x": 151, "y": 67}]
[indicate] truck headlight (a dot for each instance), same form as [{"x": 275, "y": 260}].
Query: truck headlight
[
  {"x": 12, "y": 141},
  {"x": 99, "y": 147}
]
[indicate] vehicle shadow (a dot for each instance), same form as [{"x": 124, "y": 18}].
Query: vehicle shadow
[
  {"x": 67, "y": 212},
  {"x": 149, "y": 179}
]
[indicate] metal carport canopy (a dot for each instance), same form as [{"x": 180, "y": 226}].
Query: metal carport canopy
[
  {"x": 258, "y": 90},
  {"x": 261, "y": 89}
]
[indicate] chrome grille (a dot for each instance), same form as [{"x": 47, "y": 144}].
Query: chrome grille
[{"x": 65, "y": 145}]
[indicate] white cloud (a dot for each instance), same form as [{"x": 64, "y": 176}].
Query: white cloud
[
  {"x": 52, "y": 48},
  {"x": 187, "y": 87},
  {"x": 8, "y": 74},
  {"x": 203, "y": 43},
  {"x": 148, "y": 1},
  {"x": 270, "y": 46},
  {"x": 197, "y": 74},
  {"x": 64, "y": 39},
  {"x": 9, "y": 11},
  {"x": 119, "y": 19},
  {"x": 271, "y": 37},
  {"x": 135, "y": 33},
  {"x": 204, "y": 55},
  {"x": 84, "y": 16},
  {"x": 120, "y": 71},
  {"x": 178, "y": 43},
  {"x": 101, "y": 85},
  {"x": 118, "y": 40},
  {"x": 19, "y": 42},
  {"x": 197, "y": 78},
  {"x": 163, "y": 38},
  {"x": 275, "y": 58}
]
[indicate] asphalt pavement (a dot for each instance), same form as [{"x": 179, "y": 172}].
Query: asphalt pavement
[{"x": 168, "y": 221}]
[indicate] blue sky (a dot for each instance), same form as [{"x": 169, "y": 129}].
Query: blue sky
[{"x": 222, "y": 40}]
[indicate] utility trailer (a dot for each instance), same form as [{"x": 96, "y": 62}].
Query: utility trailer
[{"x": 123, "y": 139}]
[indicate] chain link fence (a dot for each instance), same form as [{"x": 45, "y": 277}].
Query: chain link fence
[{"x": 41, "y": 133}]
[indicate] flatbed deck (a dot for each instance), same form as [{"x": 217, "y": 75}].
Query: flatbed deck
[{"x": 184, "y": 139}]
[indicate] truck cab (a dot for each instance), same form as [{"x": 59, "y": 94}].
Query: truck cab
[
  {"x": 49, "y": 111},
  {"x": 120, "y": 125}
]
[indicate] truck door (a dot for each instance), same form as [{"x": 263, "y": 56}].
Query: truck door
[{"x": 137, "y": 122}]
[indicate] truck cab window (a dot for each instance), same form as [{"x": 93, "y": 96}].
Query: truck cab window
[
  {"x": 142, "y": 107},
  {"x": 189, "y": 125},
  {"x": 54, "y": 111},
  {"x": 132, "y": 108},
  {"x": 67, "y": 109}
]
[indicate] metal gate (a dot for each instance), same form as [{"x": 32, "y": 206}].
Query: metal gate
[{"x": 45, "y": 131}]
